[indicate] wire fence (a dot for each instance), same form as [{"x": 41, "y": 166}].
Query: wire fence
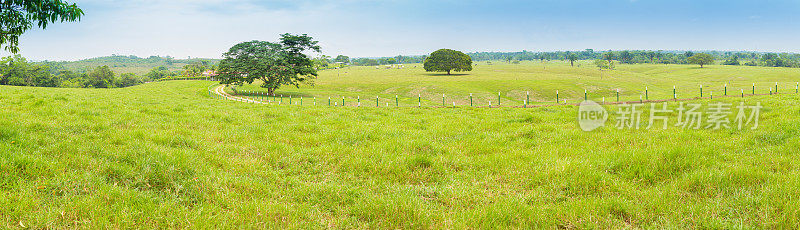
[{"x": 260, "y": 97}]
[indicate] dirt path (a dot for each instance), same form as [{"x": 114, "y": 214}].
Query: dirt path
[{"x": 220, "y": 90}]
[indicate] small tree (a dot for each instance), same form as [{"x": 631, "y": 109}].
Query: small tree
[
  {"x": 275, "y": 64},
  {"x": 603, "y": 64},
  {"x": 701, "y": 59},
  {"x": 446, "y": 60},
  {"x": 572, "y": 58}
]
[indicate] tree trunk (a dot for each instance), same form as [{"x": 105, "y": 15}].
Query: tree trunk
[
  {"x": 271, "y": 91},
  {"x": 448, "y": 72}
]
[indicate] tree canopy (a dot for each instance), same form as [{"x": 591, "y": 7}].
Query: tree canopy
[
  {"x": 343, "y": 59},
  {"x": 101, "y": 77},
  {"x": 572, "y": 58},
  {"x": 608, "y": 56},
  {"x": 275, "y": 64},
  {"x": 733, "y": 60},
  {"x": 604, "y": 64},
  {"x": 701, "y": 59},
  {"x": 446, "y": 60},
  {"x": 16, "y": 70},
  {"x": 18, "y": 16},
  {"x": 127, "y": 80},
  {"x": 196, "y": 68}
]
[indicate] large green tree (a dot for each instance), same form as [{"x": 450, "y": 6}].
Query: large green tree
[
  {"x": 446, "y": 60},
  {"x": 18, "y": 16},
  {"x": 701, "y": 59},
  {"x": 275, "y": 64}
]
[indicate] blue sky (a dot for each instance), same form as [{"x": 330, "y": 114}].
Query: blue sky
[{"x": 361, "y": 28}]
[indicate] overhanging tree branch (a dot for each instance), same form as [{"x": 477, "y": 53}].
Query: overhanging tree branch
[{"x": 18, "y": 16}]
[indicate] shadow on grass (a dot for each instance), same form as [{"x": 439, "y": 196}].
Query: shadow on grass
[
  {"x": 445, "y": 74},
  {"x": 293, "y": 94},
  {"x": 277, "y": 94}
]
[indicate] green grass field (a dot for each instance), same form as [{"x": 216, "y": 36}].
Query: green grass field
[
  {"x": 541, "y": 80},
  {"x": 166, "y": 155}
]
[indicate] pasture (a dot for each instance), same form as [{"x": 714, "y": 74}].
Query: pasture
[
  {"x": 166, "y": 155},
  {"x": 540, "y": 80}
]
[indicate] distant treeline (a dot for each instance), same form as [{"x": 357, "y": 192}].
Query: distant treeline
[
  {"x": 17, "y": 71},
  {"x": 388, "y": 60},
  {"x": 326, "y": 62},
  {"x": 125, "y": 61},
  {"x": 647, "y": 56},
  {"x": 623, "y": 57}
]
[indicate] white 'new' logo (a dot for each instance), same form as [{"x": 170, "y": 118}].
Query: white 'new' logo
[{"x": 591, "y": 115}]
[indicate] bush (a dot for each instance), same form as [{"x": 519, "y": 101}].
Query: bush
[
  {"x": 17, "y": 81},
  {"x": 71, "y": 84},
  {"x": 127, "y": 79},
  {"x": 734, "y": 60}
]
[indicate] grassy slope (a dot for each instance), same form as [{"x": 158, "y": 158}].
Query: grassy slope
[
  {"x": 542, "y": 81},
  {"x": 165, "y": 155}
]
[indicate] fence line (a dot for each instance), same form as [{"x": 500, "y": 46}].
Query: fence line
[{"x": 260, "y": 97}]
